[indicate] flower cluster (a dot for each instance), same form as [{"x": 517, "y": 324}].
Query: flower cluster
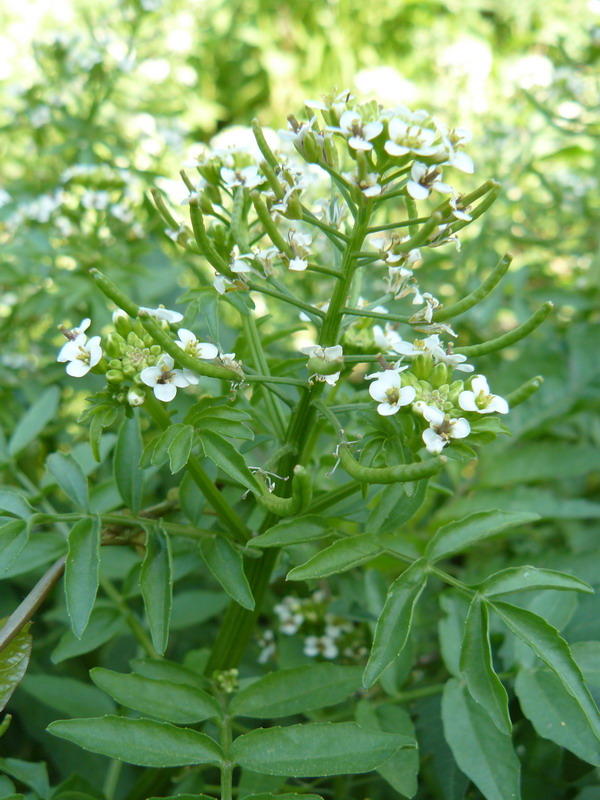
[{"x": 134, "y": 360}]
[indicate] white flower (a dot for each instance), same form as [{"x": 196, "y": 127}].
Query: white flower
[
  {"x": 480, "y": 400},
  {"x": 452, "y": 360},
  {"x": 320, "y": 645},
  {"x": 327, "y": 354},
  {"x": 221, "y": 283},
  {"x": 248, "y": 177},
  {"x": 81, "y": 355},
  {"x": 368, "y": 184},
  {"x": 386, "y": 339},
  {"x": 441, "y": 429},
  {"x": 298, "y": 264},
  {"x": 164, "y": 380},
  {"x": 452, "y": 139},
  {"x": 388, "y": 391},
  {"x": 358, "y": 133},
  {"x": 188, "y": 342},
  {"x": 299, "y": 242},
  {"x": 163, "y": 313},
  {"x": 424, "y": 179},
  {"x": 419, "y": 346},
  {"x": 409, "y": 138},
  {"x": 228, "y": 360},
  {"x": 73, "y": 333},
  {"x": 238, "y": 262}
]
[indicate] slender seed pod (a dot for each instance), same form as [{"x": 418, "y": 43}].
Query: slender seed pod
[
  {"x": 270, "y": 227},
  {"x": 238, "y": 226},
  {"x": 262, "y": 144},
  {"x": 204, "y": 243},
  {"x": 524, "y": 391},
  {"x": 422, "y": 234},
  {"x": 298, "y": 502},
  {"x": 402, "y": 473},
  {"x": 534, "y": 321},
  {"x": 478, "y": 294},
  {"x": 109, "y": 289},
  {"x": 186, "y": 360}
]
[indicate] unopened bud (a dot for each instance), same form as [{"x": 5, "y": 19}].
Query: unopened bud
[
  {"x": 115, "y": 376},
  {"x": 122, "y": 322},
  {"x": 114, "y": 345},
  {"x": 135, "y": 397},
  {"x": 439, "y": 376}
]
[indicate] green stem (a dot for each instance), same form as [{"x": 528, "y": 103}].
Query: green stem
[
  {"x": 227, "y": 765},
  {"x": 260, "y": 361}
]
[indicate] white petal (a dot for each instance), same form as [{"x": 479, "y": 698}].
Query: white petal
[
  {"x": 463, "y": 162},
  {"x": 393, "y": 149},
  {"x": 179, "y": 379},
  {"x": 498, "y": 404},
  {"x": 191, "y": 378},
  {"x": 298, "y": 264},
  {"x": 150, "y": 375},
  {"x": 77, "y": 368},
  {"x": 167, "y": 360},
  {"x": 185, "y": 337},
  {"x": 460, "y": 428},
  {"x": 358, "y": 143},
  {"x": 397, "y": 128},
  {"x": 331, "y": 379},
  {"x": 206, "y": 350},
  {"x": 442, "y": 187},
  {"x": 165, "y": 392},
  {"x": 310, "y": 350},
  {"x": 386, "y": 410},
  {"x": 372, "y": 191},
  {"x": 416, "y": 191},
  {"x": 84, "y": 324},
  {"x": 69, "y": 351},
  {"x": 463, "y": 367},
  {"x": 433, "y": 415},
  {"x": 433, "y": 441},
  {"x": 466, "y": 400},
  {"x": 333, "y": 353},
  {"x": 480, "y": 384},
  {"x": 378, "y": 391},
  {"x": 94, "y": 350},
  {"x": 407, "y": 395},
  {"x": 372, "y": 129}
]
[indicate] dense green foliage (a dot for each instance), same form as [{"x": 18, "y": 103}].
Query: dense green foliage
[{"x": 264, "y": 587}]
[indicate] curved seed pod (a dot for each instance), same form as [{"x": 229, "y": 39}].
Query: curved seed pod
[
  {"x": 109, "y": 289},
  {"x": 401, "y": 473},
  {"x": 238, "y": 223},
  {"x": 186, "y": 360},
  {"x": 478, "y": 294},
  {"x": 163, "y": 210},
  {"x": 534, "y": 321},
  {"x": 262, "y": 144},
  {"x": 204, "y": 243},
  {"x": 297, "y": 503},
  {"x": 422, "y": 234},
  {"x": 270, "y": 227},
  {"x": 524, "y": 391}
]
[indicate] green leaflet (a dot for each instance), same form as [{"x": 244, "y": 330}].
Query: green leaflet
[
  {"x": 458, "y": 535},
  {"x": 82, "y": 572},
  {"x": 293, "y": 691},
  {"x": 14, "y": 659},
  {"x": 477, "y": 668},
  {"x": 338, "y": 557},
  {"x": 316, "y": 749},
  {"x": 171, "y": 702},
  {"x": 156, "y": 583},
  {"x": 128, "y": 451},
  {"x": 69, "y": 476},
  {"x": 393, "y": 625},
  {"x": 227, "y": 566},
  {"x": 482, "y": 752},
  {"x": 139, "y": 741}
]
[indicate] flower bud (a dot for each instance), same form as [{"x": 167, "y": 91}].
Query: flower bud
[
  {"x": 134, "y": 340},
  {"x": 135, "y": 397},
  {"x": 114, "y": 344},
  {"x": 422, "y": 365},
  {"x": 330, "y": 152},
  {"x": 439, "y": 376},
  {"x": 114, "y": 363},
  {"x": 122, "y": 322},
  {"x": 115, "y": 376},
  {"x": 155, "y": 349}
]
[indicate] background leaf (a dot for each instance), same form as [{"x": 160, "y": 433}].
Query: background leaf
[
  {"x": 156, "y": 583},
  {"x": 82, "y": 572},
  {"x": 69, "y": 476},
  {"x": 128, "y": 451},
  {"x": 14, "y": 659}
]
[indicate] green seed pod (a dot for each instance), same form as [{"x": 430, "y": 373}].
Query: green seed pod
[
  {"x": 319, "y": 366},
  {"x": 115, "y": 376},
  {"x": 398, "y": 474},
  {"x": 289, "y": 506},
  {"x": 524, "y": 391}
]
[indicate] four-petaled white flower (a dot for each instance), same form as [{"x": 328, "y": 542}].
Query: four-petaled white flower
[
  {"x": 320, "y": 646},
  {"x": 359, "y": 133},
  {"x": 190, "y": 343},
  {"x": 423, "y": 179},
  {"x": 368, "y": 184},
  {"x": 387, "y": 389},
  {"x": 442, "y": 428},
  {"x": 409, "y": 138},
  {"x": 164, "y": 380},
  {"x": 327, "y": 354},
  {"x": 386, "y": 339},
  {"x": 419, "y": 346},
  {"x": 248, "y": 177},
  {"x": 163, "y": 313},
  {"x": 81, "y": 355},
  {"x": 480, "y": 400},
  {"x": 452, "y": 360},
  {"x": 299, "y": 242}
]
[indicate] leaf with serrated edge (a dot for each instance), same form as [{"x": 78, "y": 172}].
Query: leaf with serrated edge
[
  {"x": 483, "y": 753},
  {"x": 142, "y": 742},
  {"x": 172, "y": 702},
  {"x": 550, "y": 647},
  {"x": 476, "y": 666},
  {"x": 393, "y": 625},
  {"x": 521, "y": 579},
  {"x": 82, "y": 572},
  {"x": 293, "y": 691},
  {"x": 316, "y": 749},
  {"x": 339, "y": 557},
  {"x": 14, "y": 659},
  {"x": 555, "y": 714},
  {"x": 460, "y": 534}
]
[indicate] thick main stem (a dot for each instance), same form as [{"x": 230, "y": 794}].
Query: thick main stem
[{"x": 239, "y": 623}]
